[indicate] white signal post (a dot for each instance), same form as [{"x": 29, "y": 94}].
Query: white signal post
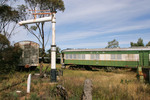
[
  {"x": 53, "y": 50},
  {"x": 51, "y": 18}
]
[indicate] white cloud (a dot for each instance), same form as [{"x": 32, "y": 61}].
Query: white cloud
[
  {"x": 102, "y": 11},
  {"x": 86, "y": 34},
  {"x": 86, "y": 45}
]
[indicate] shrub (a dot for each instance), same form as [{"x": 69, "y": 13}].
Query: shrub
[{"x": 9, "y": 56}]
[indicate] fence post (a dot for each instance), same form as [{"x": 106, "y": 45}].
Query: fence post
[{"x": 28, "y": 83}]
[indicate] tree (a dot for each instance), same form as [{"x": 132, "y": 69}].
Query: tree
[
  {"x": 9, "y": 56},
  {"x": 113, "y": 44},
  {"x": 138, "y": 44},
  {"x": 4, "y": 42},
  {"x": 38, "y": 29},
  {"x": 8, "y": 16},
  {"x": 2, "y": 2},
  {"x": 148, "y": 44}
]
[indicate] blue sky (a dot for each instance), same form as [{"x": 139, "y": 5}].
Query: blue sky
[{"x": 93, "y": 23}]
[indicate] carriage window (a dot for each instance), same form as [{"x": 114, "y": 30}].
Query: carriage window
[
  {"x": 113, "y": 56},
  {"x": 75, "y": 56},
  {"x": 116, "y": 56},
  {"x": 67, "y": 56},
  {"x": 94, "y": 56},
  {"x": 79, "y": 56},
  {"x": 83, "y": 56},
  {"x": 70, "y": 56},
  {"x": 119, "y": 56},
  {"x": 97, "y": 56}
]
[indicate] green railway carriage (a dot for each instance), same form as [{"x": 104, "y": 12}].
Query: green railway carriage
[{"x": 115, "y": 57}]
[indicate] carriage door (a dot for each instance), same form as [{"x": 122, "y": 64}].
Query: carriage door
[{"x": 144, "y": 58}]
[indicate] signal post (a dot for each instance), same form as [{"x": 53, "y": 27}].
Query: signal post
[
  {"x": 51, "y": 18},
  {"x": 53, "y": 50}
]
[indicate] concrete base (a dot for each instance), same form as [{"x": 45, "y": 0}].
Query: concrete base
[{"x": 53, "y": 75}]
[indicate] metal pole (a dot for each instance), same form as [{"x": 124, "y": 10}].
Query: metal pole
[{"x": 53, "y": 50}]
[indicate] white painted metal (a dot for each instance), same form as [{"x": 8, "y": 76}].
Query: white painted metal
[
  {"x": 45, "y": 19},
  {"x": 53, "y": 49},
  {"x": 53, "y": 28},
  {"x": 29, "y": 83}
]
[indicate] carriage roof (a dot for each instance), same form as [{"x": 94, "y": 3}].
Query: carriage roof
[{"x": 109, "y": 49}]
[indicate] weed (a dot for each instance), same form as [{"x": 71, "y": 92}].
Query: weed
[
  {"x": 35, "y": 82},
  {"x": 34, "y": 96},
  {"x": 15, "y": 95}
]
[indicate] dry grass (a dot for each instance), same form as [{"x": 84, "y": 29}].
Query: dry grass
[
  {"x": 106, "y": 86},
  {"x": 117, "y": 85}
]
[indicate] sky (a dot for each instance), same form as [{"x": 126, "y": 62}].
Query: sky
[{"x": 93, "y": 23}]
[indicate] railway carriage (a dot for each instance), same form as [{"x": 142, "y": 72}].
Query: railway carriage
[
  {"x": 30, "y": 54},
  {"x": 114, "y": 57}
]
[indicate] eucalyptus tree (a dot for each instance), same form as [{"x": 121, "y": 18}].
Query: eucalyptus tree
[
  {"x": 113, "y": 44},
  {"x": 148, "y": 44},
  {"x": 9, "y": 18},
  {"x": 2, "y": 2},
  {"x": 38, "y": 28},
  {"x": 138, "y": 44}
]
